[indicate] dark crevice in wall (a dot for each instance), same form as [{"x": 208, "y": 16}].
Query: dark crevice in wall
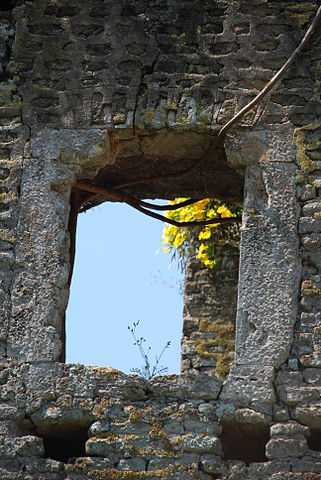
[
  {"x": 66, "y": 445},
  {"x": 8, "y": 38},
  {"x": 314, "y": 440},
  {"x": 245, "y": 442},
  {"x": 7, "y": 5}
]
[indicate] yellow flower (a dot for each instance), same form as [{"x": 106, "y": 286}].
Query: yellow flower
[
  {"x": 224, "y": 212},
  {"x": 205, "y": 234},
  {"x": 202, "y": 249},
  {"x": 209, "y": 263},
  {"x": 177, "y": 238}
]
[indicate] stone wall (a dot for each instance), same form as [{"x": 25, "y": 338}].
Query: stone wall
[
  {"x": 210, "y": 302},
  {"x": 68, "y": 422},
  {"x": 114, "y": 94},
  {"x": 13, "y": 137}
]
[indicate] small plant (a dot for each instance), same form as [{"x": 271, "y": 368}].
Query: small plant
[{"x": 148, "y": 370}]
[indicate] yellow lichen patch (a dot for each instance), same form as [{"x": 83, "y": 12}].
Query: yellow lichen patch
[
  {"x": 113, "y": 474},
  {"x": 135, "y": 415},
  {"x": 7, "y": 197},
  {"x": 107, "y": 371},
  {"x": 84, "y": 466},
  {"x": 7, "y": 236},
  {"x": 303, "y": 146},
  {"x": 147, "y": 452},
  {"x": 156, "y": 433},
  {"x": 100, "y": 408},
  {"x": 310, "y": 289}
]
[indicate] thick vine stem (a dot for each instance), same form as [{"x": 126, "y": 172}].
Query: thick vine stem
[
  {"x": 139, "y": 205},
  {"x": 117, "y": 196},
  {"x": 277, "y": 77},
  {"x": 196, "y": 223}
]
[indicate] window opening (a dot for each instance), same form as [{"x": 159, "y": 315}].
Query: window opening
[{"x": 121, "y": 276}]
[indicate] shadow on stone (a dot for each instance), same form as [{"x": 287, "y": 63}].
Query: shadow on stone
[
  {"x": 7, "y": 5},
  {"x": 66, "y": 445},
  {"x": 314, "y": 440},
  {"x": 244, "y": 442}
]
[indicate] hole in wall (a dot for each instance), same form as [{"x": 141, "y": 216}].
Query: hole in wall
[
  {"x": 65, "y": 444},
  {"x": 244, "y": 442},
  {"x": 314, "y": 440}
]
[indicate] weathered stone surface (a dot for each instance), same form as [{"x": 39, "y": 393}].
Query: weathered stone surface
[
  {"x": 309, "y": 415},
  {"x": 269, "y": 239},
  {"x": 250, "y": 387},
  {"x": 286, "y": 447},
  {"x": 113, "y": 93},
  {"x": 289, "y": 429}
]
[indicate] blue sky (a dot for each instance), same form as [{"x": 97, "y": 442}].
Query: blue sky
[{"x": 121, "y": 276}]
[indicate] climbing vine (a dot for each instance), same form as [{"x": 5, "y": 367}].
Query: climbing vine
[{"x": 179, "y": 241}]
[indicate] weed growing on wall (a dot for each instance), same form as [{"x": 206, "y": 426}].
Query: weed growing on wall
[{"x": 148, "y": 369}]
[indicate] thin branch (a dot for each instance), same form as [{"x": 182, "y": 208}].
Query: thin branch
[
  {"x": 277, "y": 77},
  {"x": 195, "y": 223},
  {"x": 167, "y": 208}
]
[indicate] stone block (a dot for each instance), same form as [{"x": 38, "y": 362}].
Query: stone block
[
  {"x": 212, "y": 465},
  {"x": 132, "y": 464},
  {"x": 197, "y": 443},
  {"x": 286, "y": 447},
  {"x": 309, "y": 225},
  {"x": 289, "y": 429},
  {"x": 309, "y": 415}
]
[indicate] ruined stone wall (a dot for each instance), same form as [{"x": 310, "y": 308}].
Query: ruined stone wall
[{"x": 109, "y": 91}]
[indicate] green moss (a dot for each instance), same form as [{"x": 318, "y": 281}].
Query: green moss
[
  {"x": 149, "y": 117},
  {"x": 225, "y": 341},
  {"x": 156, "y": 433},
  {"x": 300, "y": 13}
]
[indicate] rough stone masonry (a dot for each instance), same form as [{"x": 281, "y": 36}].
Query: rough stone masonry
[{"x": 113, "y": 93}]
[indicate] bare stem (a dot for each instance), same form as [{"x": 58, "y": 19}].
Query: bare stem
[{"x": 277, "y": 77}]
